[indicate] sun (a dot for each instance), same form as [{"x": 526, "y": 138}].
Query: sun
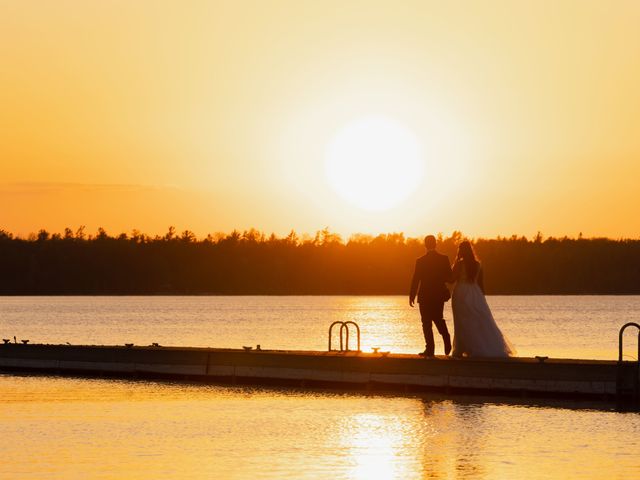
[{"x": 374, "y": 163}]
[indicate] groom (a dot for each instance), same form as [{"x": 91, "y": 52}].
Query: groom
[{"x": 431, "y": 272}]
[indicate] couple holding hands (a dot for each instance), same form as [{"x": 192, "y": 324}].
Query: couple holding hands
[{"x": 476, "y": 333}]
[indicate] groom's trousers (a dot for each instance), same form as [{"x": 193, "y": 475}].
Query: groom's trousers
[{"x": 433, "y": 312}]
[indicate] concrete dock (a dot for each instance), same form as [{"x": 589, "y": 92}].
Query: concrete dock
[{"x": 595, "y": 379}]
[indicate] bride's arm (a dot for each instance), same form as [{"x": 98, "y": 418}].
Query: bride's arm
[
  {"x": 481, "y": 279},
  {"x": 456, "y": 272}
]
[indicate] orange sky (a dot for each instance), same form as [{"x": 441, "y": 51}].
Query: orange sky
[{"x": 217, "y": 115}]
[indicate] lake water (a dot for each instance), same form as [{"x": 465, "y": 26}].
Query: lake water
[{"x": 91, "y": 428}]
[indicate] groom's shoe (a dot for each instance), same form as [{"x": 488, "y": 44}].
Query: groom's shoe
[{"x": 427, "y": 354}]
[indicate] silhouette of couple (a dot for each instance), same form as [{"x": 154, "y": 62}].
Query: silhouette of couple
[{"x": 476, "y": 332}]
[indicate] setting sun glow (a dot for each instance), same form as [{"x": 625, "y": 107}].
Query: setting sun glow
[
  {"x": 486, "y": 117},
  {"x": 374, "y": 163}
]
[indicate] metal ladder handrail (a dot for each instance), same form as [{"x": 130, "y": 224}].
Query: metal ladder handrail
[
  {"x": 331, "y": 328},
  {"x": 344, "y": 326},
  {"x": 620, "y": 335}
]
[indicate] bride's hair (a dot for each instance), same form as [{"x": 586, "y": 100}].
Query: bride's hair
[{"x": 468, "y": 257}]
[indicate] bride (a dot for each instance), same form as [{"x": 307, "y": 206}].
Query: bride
[{"x": 476, "y": 332}]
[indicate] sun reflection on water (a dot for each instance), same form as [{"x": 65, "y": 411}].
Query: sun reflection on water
[
  {"x": 375, "y": 444},
  {"x": 69, "y": 428},
  {"x": 446, "y": 442}
]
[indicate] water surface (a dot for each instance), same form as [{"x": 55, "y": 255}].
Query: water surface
[
  {"x": 79, "y": 428},
  {"x": 91, "y": 428},
  {"x": 568, "y": 326}
]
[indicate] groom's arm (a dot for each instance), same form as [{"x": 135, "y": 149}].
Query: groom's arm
[{"x": 414, "y": 285}]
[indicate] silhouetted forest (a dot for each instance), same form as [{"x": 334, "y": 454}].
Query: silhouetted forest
[{"x": 252, "y": 263}]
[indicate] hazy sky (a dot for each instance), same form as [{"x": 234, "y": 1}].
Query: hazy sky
[{"x": 218, "y": 115}]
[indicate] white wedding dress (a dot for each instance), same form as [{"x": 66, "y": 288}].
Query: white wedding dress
[{"x": 476, "y": 333}]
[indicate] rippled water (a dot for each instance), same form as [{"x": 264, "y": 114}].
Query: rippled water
[
  {"x": 86, "y": 428},
  {"x": 569, "y": 327}
]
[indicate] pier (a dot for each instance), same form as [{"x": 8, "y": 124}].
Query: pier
[{"x": 616, "y": 381}]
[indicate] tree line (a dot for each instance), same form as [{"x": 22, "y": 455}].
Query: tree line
[{"x": 252, "y": 263}]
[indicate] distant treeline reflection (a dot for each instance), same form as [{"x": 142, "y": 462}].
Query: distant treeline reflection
[{"x": 252, "y": 263}]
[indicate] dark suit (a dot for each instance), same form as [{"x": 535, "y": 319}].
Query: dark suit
[{"x": 431, "y": 273}]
